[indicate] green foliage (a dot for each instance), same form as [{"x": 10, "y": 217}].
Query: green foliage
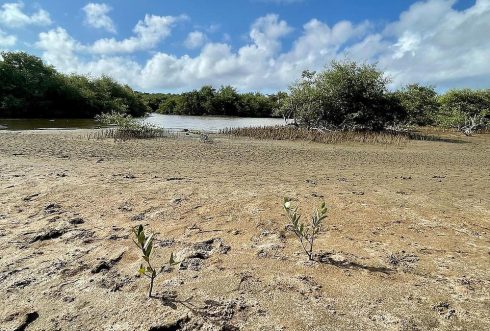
[
  {"x": 32, "y": 89},
  {"x": 345, "y": 96},
  {"x": 420, "y": 103},
  {"x": 118, "y": 119},
  {"x": 466, "y": 110},
  {"x": 145, "y": 244},
  {"x": 225, "y": 101},
  {"x": 305, "y": 101},
  {"x": 306, "y": 233},
  {"x": 127, "y": 127},
  {"x": 466, "y": 101}
]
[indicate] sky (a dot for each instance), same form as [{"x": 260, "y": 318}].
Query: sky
[{"x": 254, "y": 45}]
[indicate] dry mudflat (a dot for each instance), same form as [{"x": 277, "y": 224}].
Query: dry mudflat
[{"x": 406, "y": 245}]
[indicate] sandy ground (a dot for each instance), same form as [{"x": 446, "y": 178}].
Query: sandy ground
[{"x": 407, "y": 238}]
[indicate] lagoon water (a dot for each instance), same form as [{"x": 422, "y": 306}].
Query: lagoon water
[
  {"x": 171, "y": 122},
  {"x": 209, "y": 123},
  {"x": 46, "y": 124}
]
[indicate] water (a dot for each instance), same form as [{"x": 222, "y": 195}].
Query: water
[
  {"x": 208, "y": 123},
  {"x": 170, "y": 122},
  {"x": 46, "y": 124}
]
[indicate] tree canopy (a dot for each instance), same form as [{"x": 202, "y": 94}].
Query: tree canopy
[
  {"x": 346, "y": 95},
  {"x": 32, "y": 89},
  {"x": 225, "y": 101},
  {"x": 420, "y": 103},
  {"x": 464, "y": 108}
]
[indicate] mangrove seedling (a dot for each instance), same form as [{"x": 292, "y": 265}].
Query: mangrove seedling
[
  {"x": 306, "y": 233},
  {"x": 145, "y": 243}
]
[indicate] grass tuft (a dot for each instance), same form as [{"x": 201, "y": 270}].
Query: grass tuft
[{"x": 327, "y": 137}]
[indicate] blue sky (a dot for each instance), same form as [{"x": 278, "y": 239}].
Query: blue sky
[{"x": 177, "y": 45}]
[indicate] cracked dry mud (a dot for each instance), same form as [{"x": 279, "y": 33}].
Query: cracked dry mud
[{"x": 406, "y": 244}]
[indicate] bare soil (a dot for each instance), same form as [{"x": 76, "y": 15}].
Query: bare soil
[{"x": 406, "y": 245}]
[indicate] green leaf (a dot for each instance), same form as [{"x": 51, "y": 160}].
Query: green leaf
[
  {"x": 141, "y": 270},
  {"x": 140, "y": 235},
  {"x": 148, "y": 250},
  {"x": 148, "y": 246},
  {"x": 141, "y": 238},
  {"x": 149, "y": 241},
  {"x": 138, "y": 230}
]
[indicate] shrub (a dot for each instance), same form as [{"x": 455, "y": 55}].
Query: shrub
[
  {"x": 344, "y": 96},
  {"x": 419, "y": 102},
  {"x": 306, "y": 233},
  {"x": 466, "y": 110},
  {"x": 127, "y": 127},
  {"x": 326, "y": 137},
  {"x": 145, "y": 243}
]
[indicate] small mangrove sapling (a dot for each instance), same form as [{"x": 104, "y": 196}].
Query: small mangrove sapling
[
  {"x": 145, "y": 243},
  {"x": 306, "y": 233}
]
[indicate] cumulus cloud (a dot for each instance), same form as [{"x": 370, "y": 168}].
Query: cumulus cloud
[
  {"x": 195, "y": 39},
  {"x": 96, "y": 16},
  {"x": 60, "y": 49},
  {"x": 437, "y": 44},
  {"x": 148, "y": 33},
  {"x": 267, "y": 31},
  {"x": 7, "y": 40},
  {"x": 12, "y": 16},
  {"x": 67, "y": 54},
  {"x": 431, "y": 42}
]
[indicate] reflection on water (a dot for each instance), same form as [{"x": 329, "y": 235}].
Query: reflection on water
[
  {"x": 171, "y": 122},
  {"x": 208, "y": 123},
  {"x": 46, "y": 124}
]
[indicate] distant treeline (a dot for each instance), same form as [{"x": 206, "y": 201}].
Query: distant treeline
[
  {"x": 225, "y": 101},
  {"x": 31, "y": 89},
  {"x": 344, "y": 96}
]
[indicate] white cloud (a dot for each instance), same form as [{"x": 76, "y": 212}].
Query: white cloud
[
  {"x": 96, "y": 16},
  {"x": 436, "y": 44},
  {"x": 318, "y": 45},
  {"x": 12, "y": 16},
  {"x": 60, "y": 49},
  {"x": 63, "y": 51},
  {"x": 149, "y": 33},
  {"x": 7, "y": 40},
  {"x": 195, "y": 40},
  {"x": 266, "y": 32},
  {"x": 430, "y": 43}
]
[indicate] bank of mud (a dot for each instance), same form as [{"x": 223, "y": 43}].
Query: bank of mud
[{"x": 407, "y": 238}]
